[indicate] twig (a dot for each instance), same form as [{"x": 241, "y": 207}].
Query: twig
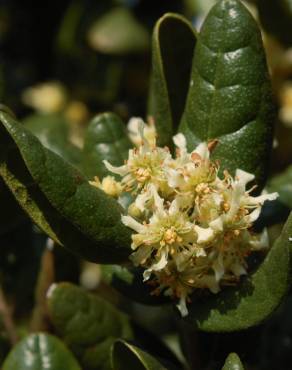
[
  {"x": 46, "y": 277},
  {"x": 7, "y": 319}
]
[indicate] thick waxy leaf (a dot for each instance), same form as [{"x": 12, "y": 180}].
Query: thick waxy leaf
[
  {"x": 87, "y": 323},
  {"x": 283, "y": 185},
  {"x": 229, "y": 97},
  {"x": 59, "y": 199},
  {"x": 233, "y": 363},
  {"x": 53, "y": 131},
  {"x": 276, "y": 18},
  {"x": 126, "y": 356},
  {"x": 255, "y": 299},
  {"x": 106, "y": 138},
  {"x": 40, "y": 352},
  {"x": 172, "y": 49},
  {"x": 129, "y": 282},
  {"x": 118, "y": 33}
]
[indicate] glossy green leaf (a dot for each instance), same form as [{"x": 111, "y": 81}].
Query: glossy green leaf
[
  {"x": 233, "y": 363},
  {"x": 283, "y": 185},
  {"x": 87, "y": 323},
  {"x": 129, "y": 282},
  {"x": 59, "y": 199},
  {"x": 229, "y": 97},
  {"x": 106, "y": 138},
  {"x": 276, "y": 18},
  {"x": 173, "y": 45},
  {"x": 118, "y": 33},
  {"x": 126, "y": 356},
  {"x": 40, "y": 352},
  {"x": 255, "y": 299},
  {"x": 53, "y": 131}
]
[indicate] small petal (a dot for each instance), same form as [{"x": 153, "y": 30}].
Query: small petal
[
  {"x": 204, "y": 234},
  {"x": 182, "y": 306},
  {"x": 262, "y": 198},
  {"x": 122, "y": 170},
  {"x": 180, "y": 141},
  {"x": 133, "y": 224},
  {"x": 244, "y": 177},
  {"x": 202, "y": 150}
]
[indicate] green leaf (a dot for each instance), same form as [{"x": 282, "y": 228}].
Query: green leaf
[
  {"x": 230, "y": 94},
  {"x": 106, "y": 138},
  {"x": 53, "y": 131},
  {"x": 233, "y": 363},
  {"x": 40, "y": 352},
  {"x": 255, "y": 299},
  {"x": 173, "y": 45},
  {"x": 129, "y": 282},
  {"x": 118, "y": 33},
  {"x": 59, "y": 199},
  {"x": 87, "y": 323},
  {"x": 283, "y": 185},
  {"x": 276, "y": 18},
  {"x": 126, "y": 356}
]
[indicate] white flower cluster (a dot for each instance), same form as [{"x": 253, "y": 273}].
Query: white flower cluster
[{"x": 191, "y": 227}]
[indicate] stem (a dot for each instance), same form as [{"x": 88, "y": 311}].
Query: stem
[
  {"x": 46, "y": 277},
  {"x": 6, "y": 315},
  {"x": 190, "y": 344}
]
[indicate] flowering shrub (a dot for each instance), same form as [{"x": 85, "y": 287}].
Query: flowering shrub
[{"x": 173, "y": 212}]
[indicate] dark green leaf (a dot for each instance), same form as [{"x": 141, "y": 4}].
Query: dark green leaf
[
  {"x": 276, "y": 18},
  {"x": 129, "y": 282},
  {"x": 233, "y": 363},
  {"x": 59, "y": 199},
  {"x": 106, "y": 138},
  {"x": 172, "y": 49},
  {"x": 126, "y": 356},
  {"x": 255, "y": 299},
  {"x": 53, "y": 131},
  {"x": 230, "y": 95},
  {"x": 283, "y": 185},
  {"x": 40, "y": 352},
  {"x": 87, "y": 323},
  {"x": 118, "y": 33}
]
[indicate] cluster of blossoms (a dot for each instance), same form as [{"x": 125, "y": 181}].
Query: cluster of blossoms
[{"x": 192, "y": 229}]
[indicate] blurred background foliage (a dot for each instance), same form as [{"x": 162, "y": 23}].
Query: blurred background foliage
[{"x": 63, "y": 62}]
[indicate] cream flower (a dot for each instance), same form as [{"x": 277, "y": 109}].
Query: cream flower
[{"x": 191, "y": 227}]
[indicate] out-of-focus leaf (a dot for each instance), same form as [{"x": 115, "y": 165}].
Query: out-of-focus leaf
[
  {"x": 233, "y": 363},
  {"x": 283, "y": 185},
  {"x": 59, "y": 199},
  {"x": 40, "y": 352},
  {"x": 199, "y": 7},
  {"x": 230, "y": 95},
  {"x": 118, "y": 33},
  {"x": 173, "y": 45},
  {"x": 255, "y": 299},
  {"x": 106, "y": 138},
  {"x": 126, "y": 356},
  {"x": 53, "y": 131},
  {"x": 87, "y": 323},
  {"x": 276, "y": 18},
  {"x": 129, "y": 282}
]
